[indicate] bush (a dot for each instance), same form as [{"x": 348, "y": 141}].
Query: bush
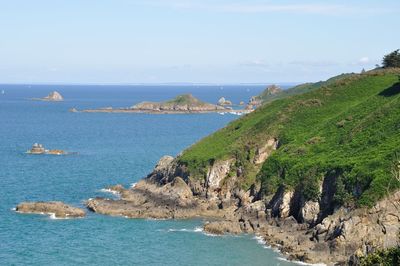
[{"x": 383, "y": 257}]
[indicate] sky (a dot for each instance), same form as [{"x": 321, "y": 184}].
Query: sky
[{"x": 220, "y": 41}]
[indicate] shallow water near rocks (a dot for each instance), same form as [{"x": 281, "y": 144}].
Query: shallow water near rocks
[{"x": 112, "y": 149}]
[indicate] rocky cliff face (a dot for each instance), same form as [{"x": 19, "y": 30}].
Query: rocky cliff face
[{"x": 314, "y": 231}]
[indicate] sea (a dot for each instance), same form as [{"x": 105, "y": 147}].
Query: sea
[{"x": 107, "y": 149}]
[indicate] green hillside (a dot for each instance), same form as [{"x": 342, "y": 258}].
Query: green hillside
[
  {"x": 348, "y": 127},
  {"x": 266, "y": 97},
  {"x": 185, "y": 99}
]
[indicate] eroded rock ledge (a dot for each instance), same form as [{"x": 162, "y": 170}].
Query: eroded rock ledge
[
  {"x": 309, "y": 231},
  {"x": 56, "y": 208}
]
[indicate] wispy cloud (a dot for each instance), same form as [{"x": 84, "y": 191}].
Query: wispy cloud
[{"x": 265, "y": 7}]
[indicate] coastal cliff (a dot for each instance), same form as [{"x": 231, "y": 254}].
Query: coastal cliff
[{"x": 315, "y": 174}]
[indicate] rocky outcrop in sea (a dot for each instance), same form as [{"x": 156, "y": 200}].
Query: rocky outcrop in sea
[
  {"x": 54, "y": 96},
  {"x": 56, "y": 209},
  {"x": 182, "y": 104}
]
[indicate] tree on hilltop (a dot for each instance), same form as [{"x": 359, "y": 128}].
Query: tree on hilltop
[{"x": 392, "y": 59}]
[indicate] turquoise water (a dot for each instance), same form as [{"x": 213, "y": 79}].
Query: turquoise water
[{"x": 112, "y": 149}]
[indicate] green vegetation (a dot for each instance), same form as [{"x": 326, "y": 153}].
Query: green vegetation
[
  {"x": 183, "y": 99},
  {"x": 346, "y": 128},
  {"x": 266, "y": 96},
  {"x": 387, "y": 257},
  {"x": 392, "y": 59}
]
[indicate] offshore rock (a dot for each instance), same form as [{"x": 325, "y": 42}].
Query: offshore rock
[
  {"x": 54, "y": 96},
  {"x": 56, "y": 208}
]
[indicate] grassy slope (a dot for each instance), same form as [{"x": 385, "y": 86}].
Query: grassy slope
[
  {"x": 349, "y": 127},
  {"x": 185, "y": 99},
  {"x": 300, "y": 89}
]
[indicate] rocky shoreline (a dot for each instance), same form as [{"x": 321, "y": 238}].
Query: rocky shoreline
[
  {"x": 144, "y": 111},
  {"x": 340, "y": 237}
]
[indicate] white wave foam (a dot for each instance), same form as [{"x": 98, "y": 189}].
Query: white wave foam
[
  {"x": 179, "y": 230},
  {"x": 107, "y": 190},
  {"x": 259, "y": 240},
  {"x": 14, "y": 209},
  {"x": 53, "y": 216},
  {"x": 301, "y": 263},
  {"x": 157, "y": 219},
  {"x": 133, "y": 185},
  {"x": 195, "y": 230},
  {"x": 198, "y": 229}
]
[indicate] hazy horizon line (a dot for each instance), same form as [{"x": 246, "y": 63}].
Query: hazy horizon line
[{"x": 149, "y": 84}]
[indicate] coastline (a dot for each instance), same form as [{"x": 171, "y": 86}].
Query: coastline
[
  {"x": 169, "y": 193},
  {"x": 140, "y": 111}
]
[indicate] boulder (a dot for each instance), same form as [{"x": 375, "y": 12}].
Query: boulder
[
  {"x": 223, "y": 101},
  {"x": 222, "y": 227}
]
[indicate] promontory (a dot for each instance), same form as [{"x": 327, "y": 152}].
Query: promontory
[{"x": 316, "y": 174}]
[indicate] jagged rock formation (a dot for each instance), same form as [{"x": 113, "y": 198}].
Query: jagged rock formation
[
  {"x": 52, "y": 97},
  {"x": 56, "y": 208},
  {"x": 269, "y": 92},
  {"x": 303, "y": 229},
  {"x": 222, "y": 101}
]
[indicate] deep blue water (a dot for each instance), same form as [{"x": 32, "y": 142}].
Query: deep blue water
[{"x": 112, "y": 149}]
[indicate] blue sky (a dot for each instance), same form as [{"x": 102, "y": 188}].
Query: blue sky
[{"x": 157, "y": 41}]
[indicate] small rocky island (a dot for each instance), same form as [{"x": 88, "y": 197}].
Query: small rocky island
[
  {"x": 182, "y": 104},
  {"x": 54, "y": 96},
  {"x": 39, "y": 149},
  {"x": 222, "y": 102},
  {"x": 55, "y": 208}
]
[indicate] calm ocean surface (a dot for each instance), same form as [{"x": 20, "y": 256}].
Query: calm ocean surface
[{"x": 112, "y": 149}]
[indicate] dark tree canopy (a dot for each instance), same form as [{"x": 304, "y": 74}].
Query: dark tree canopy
[{"x": 392, "y": 59}]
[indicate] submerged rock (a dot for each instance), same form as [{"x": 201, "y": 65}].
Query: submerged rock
[{"x": 56, "y": 208}]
